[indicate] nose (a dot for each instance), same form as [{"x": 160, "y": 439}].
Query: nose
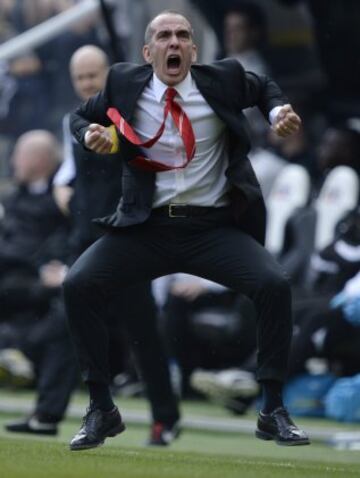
[
  {"x": 86, "y": 83},
  {"x": 174, "y": 41}
]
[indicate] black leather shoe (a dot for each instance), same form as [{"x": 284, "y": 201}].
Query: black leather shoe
[
  {"x": 33, "y": 425},
  {"x": 97, "y": 425},
  {"x": 163, "y": 435},
  {"x": 279, "y": 427}
]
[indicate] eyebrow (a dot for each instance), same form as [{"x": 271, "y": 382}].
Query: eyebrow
[{"x": 183, "y": 31}]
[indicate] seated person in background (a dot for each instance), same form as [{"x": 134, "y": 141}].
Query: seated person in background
[
  {"x": 338, "y": 262},
  {"x": 245, "y": 32},
  {"x": 245, "y": 37},
  {"x": 313, "y": 226},
  {"x": 338, "y": 146},
  {"x": 332, "y": 334},
  {"x": 33, "y": 236}
]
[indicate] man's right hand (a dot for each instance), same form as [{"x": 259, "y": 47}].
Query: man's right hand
[{"x": 98, "y": 139}]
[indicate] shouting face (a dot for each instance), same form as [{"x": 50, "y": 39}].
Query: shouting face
[{"x": 170, "y": 48}]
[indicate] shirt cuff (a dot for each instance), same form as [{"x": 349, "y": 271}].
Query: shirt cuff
[{"x": 273, "y": 114}]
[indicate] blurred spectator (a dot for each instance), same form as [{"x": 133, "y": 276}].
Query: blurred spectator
[
  {"x": 26, "y": 237},
  {"x": 336, "y": 26},
  {"x": 215, "y": 11},
  {"x": 6, "y": 27},
  {"x": 27, "y": 107},
  {"x": 339, "y": 145},
  {"x": 327, "y": 322},
  {"x": 8, "y": 89},
  {"x": 331, "y": 267},
  {"x": 40, "y": 74},
  {"x": 245, "y": 37},
  {"x": 328, "y": 273},
  {"x": 56, "y": 54},
  {"x": 32, "y": 230},
  {"x": 33, "y": 245}
]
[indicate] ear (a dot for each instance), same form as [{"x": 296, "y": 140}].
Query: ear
[
  {"x": 147, "y": 54},
  {"x": 194, "y": 54}
]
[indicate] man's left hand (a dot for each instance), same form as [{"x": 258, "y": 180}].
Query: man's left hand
[{"x": 287, "y": 122}]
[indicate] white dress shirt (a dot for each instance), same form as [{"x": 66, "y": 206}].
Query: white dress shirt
[
  {"x": 67, "y": 171},
  {"x": 202, "y": 182}
]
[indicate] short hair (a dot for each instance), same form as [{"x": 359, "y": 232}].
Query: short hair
[
  {"x": 149, "y": 31},
  {"x": 89, "y": 49},
  {"x": 255, "y": 17}
]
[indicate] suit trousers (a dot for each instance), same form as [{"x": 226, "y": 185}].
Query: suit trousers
[
  {"x": 209, "y": 246},
  {"x": 135, "y": 307}
]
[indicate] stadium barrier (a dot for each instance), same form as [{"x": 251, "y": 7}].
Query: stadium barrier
[{"x": 47, "y": 30}]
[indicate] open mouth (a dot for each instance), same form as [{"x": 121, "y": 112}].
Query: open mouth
[{"x": 173, "y": 63}]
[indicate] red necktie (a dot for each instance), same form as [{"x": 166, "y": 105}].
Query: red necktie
[{"x": 182, "y": 123}]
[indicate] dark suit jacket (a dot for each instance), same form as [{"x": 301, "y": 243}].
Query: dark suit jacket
[{"x": 228, "y": 90}]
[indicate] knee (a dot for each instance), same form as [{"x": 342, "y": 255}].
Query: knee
[
  {"x": 276, "y": 283},
  {"x": 75, "y": 283}
]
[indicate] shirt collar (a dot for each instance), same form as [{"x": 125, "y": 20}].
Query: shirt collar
[{"x": 183, "y": 88}]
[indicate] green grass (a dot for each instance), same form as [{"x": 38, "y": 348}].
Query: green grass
[
  {"x": 195, "y": 455},
  {"x": 39, "y": 459}
]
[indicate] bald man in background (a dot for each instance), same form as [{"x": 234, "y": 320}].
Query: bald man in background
[
  {"x": 33, "y": 238},
  {"x": 87, "y": 186}
]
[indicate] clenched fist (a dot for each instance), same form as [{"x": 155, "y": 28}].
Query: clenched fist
[
  {"x": 98, "y": 139},
  {"x": 286, "y": 122}
]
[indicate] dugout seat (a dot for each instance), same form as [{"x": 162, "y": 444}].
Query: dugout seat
[
  {"x": 290, "y": 192},
  {"x": 338, "y": 196}
]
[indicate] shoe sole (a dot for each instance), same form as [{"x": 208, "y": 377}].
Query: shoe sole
[
  {"x": 268, "y": 437},
  {"x": 112, "y": 433}
]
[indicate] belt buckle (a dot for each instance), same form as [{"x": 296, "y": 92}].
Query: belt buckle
[{"x": 172, "y": 210}]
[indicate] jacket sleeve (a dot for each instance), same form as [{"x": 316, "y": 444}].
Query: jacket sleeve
[
  {"x": 257, "y": 90},
  {"x": 263, "y": 92}
]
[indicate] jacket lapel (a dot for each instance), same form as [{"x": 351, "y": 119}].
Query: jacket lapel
[
  {"x": 131, "y": 85},
  {"x": 222, "y": 102},
  {"x": 209, "y": 87}
]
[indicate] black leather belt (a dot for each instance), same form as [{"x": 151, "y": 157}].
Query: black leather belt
[{"x": 181, "y": 210}]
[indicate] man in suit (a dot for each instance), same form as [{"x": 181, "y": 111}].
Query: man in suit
[
  {"x": 191, "y": 203},
  {"x": 89, "y": 185}
]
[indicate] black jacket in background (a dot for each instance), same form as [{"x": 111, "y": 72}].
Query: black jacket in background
[
  {"x": 33, "y": 229},
  {"x": 32, "y": 233},
  {"x": 97, "y": 188}
]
